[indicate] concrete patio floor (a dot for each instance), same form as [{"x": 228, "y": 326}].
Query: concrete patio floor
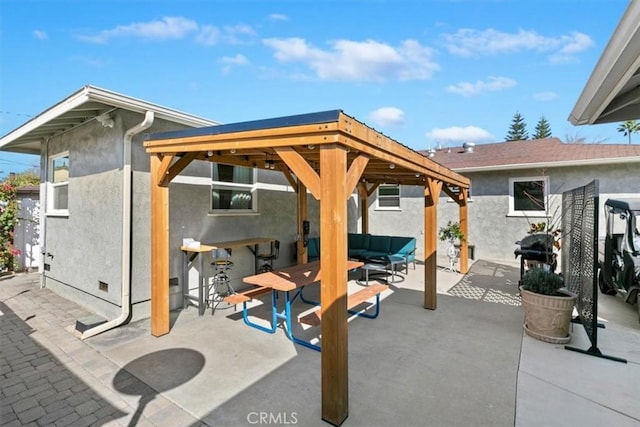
[{"x": 214, "y": 370}]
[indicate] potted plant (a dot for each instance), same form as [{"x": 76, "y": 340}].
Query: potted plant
[
  {"x": 451, "y": 232},
  {"x": 548, "y": 306}
]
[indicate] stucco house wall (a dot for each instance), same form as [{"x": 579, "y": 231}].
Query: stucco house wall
[
  {"x": 84, "y": 248},
  {"x": 492, "y": 230}
]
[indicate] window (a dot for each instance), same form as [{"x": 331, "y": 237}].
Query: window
[
  {"x": 528, "y": 196},
  {"x": 58, "y": 196},
  {"x": 232, "y": 189},
  {"x": 389, "y": 196}
]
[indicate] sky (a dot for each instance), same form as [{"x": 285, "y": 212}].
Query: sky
[{"x": 427, "y": 73}]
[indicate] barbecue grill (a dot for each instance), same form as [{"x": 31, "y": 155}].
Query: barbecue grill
[{"x": 536, "y": 247}]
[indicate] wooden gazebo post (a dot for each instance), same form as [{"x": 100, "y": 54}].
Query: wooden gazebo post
[
  {"x": 159, "y": 249},
  {"x": 464, "y": 227},
  {"x": 333, "y": 296},
  {"x": 431, "y": 195}
]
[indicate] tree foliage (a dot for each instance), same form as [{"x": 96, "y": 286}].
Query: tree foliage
[
  {"x": 543, "y": 129},
  {"x": 629, "y": 127},
  {"x": 517, "y": 129}
]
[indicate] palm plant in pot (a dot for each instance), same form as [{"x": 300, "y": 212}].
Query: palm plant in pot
[{"x": 548, "y": 306}]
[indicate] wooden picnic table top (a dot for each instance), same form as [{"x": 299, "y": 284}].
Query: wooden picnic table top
[{"x": 290, "y": 278}]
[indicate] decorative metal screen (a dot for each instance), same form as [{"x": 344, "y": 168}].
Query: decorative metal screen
[{"x": 580, "y": 252}]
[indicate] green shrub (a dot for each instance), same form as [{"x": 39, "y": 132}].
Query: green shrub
[{"x": 541, "y": 282}]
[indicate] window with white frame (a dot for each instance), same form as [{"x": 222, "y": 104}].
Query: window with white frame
[
  {"x": 233, "y": 189},
  {"x": 58, "y": 195},
  {"x": 389, "y": 196},
  {"x": 528, "y": 196}
]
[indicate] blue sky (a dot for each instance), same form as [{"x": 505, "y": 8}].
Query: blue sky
[{"x": 425, "y": 73}]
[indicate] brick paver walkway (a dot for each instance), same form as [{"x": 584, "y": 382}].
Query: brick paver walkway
[{"x": 48, "y": 376}]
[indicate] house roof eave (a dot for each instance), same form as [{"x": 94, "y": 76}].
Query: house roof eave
[
  {"x": 85, "y": 104},
  {"x": 607, "y": 96}
]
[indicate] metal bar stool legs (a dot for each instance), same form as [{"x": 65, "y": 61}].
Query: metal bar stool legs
[{"x": 220, "y": 284}]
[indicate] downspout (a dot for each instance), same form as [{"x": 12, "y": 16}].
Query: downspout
[
  {"x": 44, "y": 184},
  {"x": 126, "y": 230}
]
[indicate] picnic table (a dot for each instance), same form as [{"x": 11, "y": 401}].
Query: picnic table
[{"x": 291, "y": 281}]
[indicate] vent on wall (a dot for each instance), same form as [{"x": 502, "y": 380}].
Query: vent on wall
[{"x": 104, "y": 287}]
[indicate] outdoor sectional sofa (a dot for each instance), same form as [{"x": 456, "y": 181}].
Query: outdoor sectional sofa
[{"x": 365, "y": 246}]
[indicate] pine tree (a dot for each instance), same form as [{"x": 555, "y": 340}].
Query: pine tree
[
  {"x": 543, "y": 129},
  {"x": 517, "y": 130}
]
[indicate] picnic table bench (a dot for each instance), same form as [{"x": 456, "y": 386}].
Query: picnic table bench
[{"x": 313, "y": 318}]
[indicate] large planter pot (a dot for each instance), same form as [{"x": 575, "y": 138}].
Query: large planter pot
[{"x": 548, "y": 318}]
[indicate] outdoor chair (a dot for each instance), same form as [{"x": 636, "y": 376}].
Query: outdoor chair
[{"x": 268, "y": 258}]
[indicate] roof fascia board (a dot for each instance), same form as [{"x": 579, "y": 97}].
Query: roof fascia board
[
  {"x": 571, "y": 163},
  {"x": 616, "y": 65}
]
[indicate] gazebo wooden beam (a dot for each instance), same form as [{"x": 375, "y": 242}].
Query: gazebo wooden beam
[
  {"x": 431, "y": 195},
  {"x": 301, "y": 168},
  {"x": 177, "y": 167},
  {"x": 354, "y": 174}
]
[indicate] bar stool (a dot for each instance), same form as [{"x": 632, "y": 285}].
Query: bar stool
[
  {"x": 220, "y": 286},
  {"x": 269, "y": 257}
]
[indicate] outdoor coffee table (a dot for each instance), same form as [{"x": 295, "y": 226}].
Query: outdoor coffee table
[
  {"x": 384, "y": 264},
  {"x": 374, "y": 268}
]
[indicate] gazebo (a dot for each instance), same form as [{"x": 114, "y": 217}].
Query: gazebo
[{"x": 330, "y": 155}]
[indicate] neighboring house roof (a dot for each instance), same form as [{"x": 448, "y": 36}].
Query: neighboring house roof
[
  {"x": 550, "y": 152},
  {"x": 612, "y": 93},
  {"x": 88, "y": 103}
]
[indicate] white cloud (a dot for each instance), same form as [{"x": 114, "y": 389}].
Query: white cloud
[
  {"x": 235, "y": 33},
  {"x": 167, "y": 28},
  {"x": 209, "y": 35},
  {"x": 41, "y": 35},
  {"x": 173, "y": 28},
  {"x": 545, "y": 96},
  {"x": 467, "y": 42},
  {"x": 352, "y": 61},
  {"x": 386, "y": 116},
  {"x": 492, "y": 84},
  {"x": 278, "y": 17},
  {"x": 459, "y": 134},
  {"x": 231, "y": 61},
  {"x": 235, "y": 60}
]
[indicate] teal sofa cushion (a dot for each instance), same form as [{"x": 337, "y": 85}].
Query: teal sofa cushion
[
  {"x": 358, "y": 241},
  {"x": 380, "y": 244},
  {"x": 402, "y": 245}
]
